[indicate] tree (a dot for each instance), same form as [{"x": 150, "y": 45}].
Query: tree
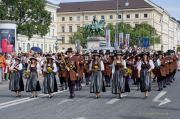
[
  {"x": 30, "y": 15},
  {"x": 82, "y": 35},
  {"x": 145, "y": 30},
  {"x": 141, "y": 30}
]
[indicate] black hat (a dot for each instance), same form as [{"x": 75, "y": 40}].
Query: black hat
[
  {"x": 119, "y": 53},
  {"x": 145, "y": 53},
  {"x": 33, "y": 58},
  {"x": 95, "y": 53},
  {"x": 101, "y": 52},
  {"x": 107, "y": 52},
  {"x": 160, "y": 52},
  {"x": 48, "y": 56},
  {"x": 69, "y": 50}
]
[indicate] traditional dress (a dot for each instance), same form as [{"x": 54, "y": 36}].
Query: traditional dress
[
  {"x": 32, "y": 83},
  {"x": 145, "y": 75},
  {"x": 16, "y": 81},
  {"x": 49, "y": 83},
  {"x": 119, "y": 82},
  {"x": 97, "y": 82}
]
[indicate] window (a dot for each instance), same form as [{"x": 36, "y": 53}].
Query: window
[
  {"x": 136, "y": 15},
  {"x": 53, "y": 32},
  {"x": 33, "y": 44},
  {"x": 45, "y": 49},
  {"x": 78, "y": 18},
  {"x": 128, "y": 16},
  {"x": 111, "y": 17},
  {"x": 70, "y": 28},
  {"x": 119, "y": 16},
  {"x": 78, "y": 27},
  {"x": 52, "y": 17},
  {"x": 41, "y": 46},
  {"x": 23, "y": 46},
  {"x": 70, "y": 18},
  {"x": 49, "y": 32},
  {"x": 86, "y": 17},
  {"x": 37, "y": 45},
  {"x": 145, "y": 15},
  {"x": 63, "y": 29},
  {"x": 63, "y": 40},
  {"x": 102, "y": 17},
  {"x": 63, "y": 18}
]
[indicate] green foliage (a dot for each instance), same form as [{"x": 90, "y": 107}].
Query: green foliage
[
  {"x": 142, "y": 30},
  {"x": 30, "y": 15}
]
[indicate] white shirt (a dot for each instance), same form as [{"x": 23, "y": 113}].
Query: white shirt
[
  {"x": 54, "y": 66},
  {"x": 101, "y": 65},
  {"x": 113, "y": 66}
]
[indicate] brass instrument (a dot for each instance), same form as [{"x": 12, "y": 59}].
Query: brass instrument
[{"x": 68, "y": 64}]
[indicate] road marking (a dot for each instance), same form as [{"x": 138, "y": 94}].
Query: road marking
[
  {"x": 5, "y": 103},
  {"x": 81, "y": 118},
  {"x": 64, "y": 101},
  {"x": 112, "y": 101},
  {"x": 20, "y": 101},
  {"x": 23, "y": 100},
  {"x": 162, "y": 102},
  {"x": 16, "y": 103}
]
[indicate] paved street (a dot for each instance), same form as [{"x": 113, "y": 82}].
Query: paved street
[{"x": 85, "y": 106}]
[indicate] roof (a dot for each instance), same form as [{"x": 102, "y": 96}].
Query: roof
[{"x": 102, "y": 5}]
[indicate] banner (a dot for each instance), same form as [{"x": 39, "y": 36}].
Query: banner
[
  {"x": 139, "y": 41},
  {"x": 7, "y": 40},
  {"x": 121, "y": 39},
  {"x": 146, "y": 42},
  {"x": 108, "y": 38},
  {"x": 127, "y": 39}
]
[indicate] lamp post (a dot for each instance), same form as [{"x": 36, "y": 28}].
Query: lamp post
[
  {"x": 162, "y": 47},
  {"x": 117, "y": 10}
]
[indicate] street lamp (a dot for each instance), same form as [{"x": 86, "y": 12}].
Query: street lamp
[
  {"x": 162, "y": 47},
  {"x": 126, "y": 5}
]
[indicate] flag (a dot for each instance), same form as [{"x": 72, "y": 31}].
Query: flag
[
  {"x": 127, "y": 39},
  {"x": 146, "y": 42},
  {"x": 139, "y": 41},
  {"x": 121, "y": 41},
  {"x": 108, "y": 41}
]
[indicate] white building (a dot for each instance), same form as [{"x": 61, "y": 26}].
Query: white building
[
  {"x": 71, "y": 16},
  {"x": 47, "y": 43}
]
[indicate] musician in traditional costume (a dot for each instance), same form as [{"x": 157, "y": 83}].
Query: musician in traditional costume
[
  {"x": 119, "y": 83},
  {"x": 49, "y": 83},
  {"x": 135, "y": 72},
  {"x": 87, "y": 61},
  {"x": 32, "y": 83},
  {"x": 62, "y": 71},
  {"x": 144, "y": 73},
  {"x": 80, "y": 59},
  {"x": 97, "y": 81},
  {"x": 16, "y": 82},
  {"x": 108, "y": 68},
  {"x": 72, "y": 68}
]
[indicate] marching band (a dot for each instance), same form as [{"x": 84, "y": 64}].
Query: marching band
[{"x": 98, "y": 70}]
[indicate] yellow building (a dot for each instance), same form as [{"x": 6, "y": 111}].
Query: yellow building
[{"x": 71, "y": 16}]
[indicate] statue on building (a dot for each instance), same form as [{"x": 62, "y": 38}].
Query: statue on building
[{"x": 96, "y": 27}]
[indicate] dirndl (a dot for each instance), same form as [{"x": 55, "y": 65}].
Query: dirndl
[
  {"x": 97, "y": 83},
  {"x": 49, "y": 83},
  {"x": 16, "y": 82},
  {"x": 32, "y": 83},
  {"x": 145, "y": 81}
]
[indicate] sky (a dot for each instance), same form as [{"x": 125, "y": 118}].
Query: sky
[{"x": 172, "y": 6}]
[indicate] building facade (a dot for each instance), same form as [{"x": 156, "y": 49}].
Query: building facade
[
  {"x": 71, "y": 16},
  {"x": 46, "y": 43}
]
